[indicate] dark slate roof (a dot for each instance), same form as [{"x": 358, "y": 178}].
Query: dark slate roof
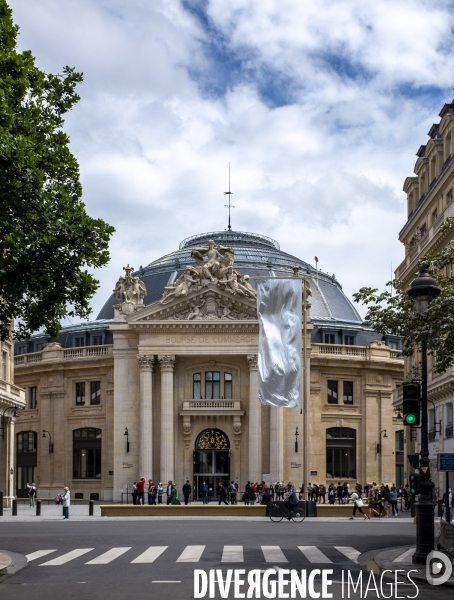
[{"x": 255, "y": 255}]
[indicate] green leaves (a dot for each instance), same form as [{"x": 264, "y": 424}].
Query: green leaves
[
  {"x": 47, "y": 240},
  {"x": 396, "y": 313}
]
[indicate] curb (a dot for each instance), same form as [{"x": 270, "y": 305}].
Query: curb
[
  {"x": 5, "y": 561},
  {"x": 383, "y": 559}
]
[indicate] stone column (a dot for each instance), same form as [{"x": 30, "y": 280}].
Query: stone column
[
  {"x": 167, "y": 362},
  {"x": 146, "y": 416},
  {"x": 276, "y": 444},
  {"x": 255, "y": 422}
]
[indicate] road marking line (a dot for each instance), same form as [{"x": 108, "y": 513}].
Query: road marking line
[
  {"x": 191, "y": 554},
  {"x": 314, "y": 555},
  {"x": 38, "y": 554},
  {"x": 150, "y": 555},
  {"x": 232, "y": 554},
  {"x": 273, "y": 554},
  {"x": 108, "y": 556},
  {"x": 349, "y": 552},
  {"x": 166, "y": 582},
  {"x": 402, "y": 557},
  {"x": 62, "y": 560}
]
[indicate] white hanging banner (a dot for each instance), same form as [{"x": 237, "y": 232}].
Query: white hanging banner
[{"x": 280, "y": 309}]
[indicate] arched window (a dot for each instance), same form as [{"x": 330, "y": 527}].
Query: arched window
[
  {"x": 340, "y": 453},
  {"x": 87, "y": 453},
  {"x": 26, "y": 461}
]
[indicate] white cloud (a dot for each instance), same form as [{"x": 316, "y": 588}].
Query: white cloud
[{"x": 322, "y": 173}]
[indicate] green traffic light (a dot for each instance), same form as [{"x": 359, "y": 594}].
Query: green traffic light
[{"x": 410, "y": 419}]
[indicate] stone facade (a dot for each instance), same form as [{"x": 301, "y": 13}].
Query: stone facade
[{"x": 429, "y": 204}]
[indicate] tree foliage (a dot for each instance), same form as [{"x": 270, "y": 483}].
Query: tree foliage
[
  {"x": 47, "y": 240},
  {"x": 395, "y": 313}
]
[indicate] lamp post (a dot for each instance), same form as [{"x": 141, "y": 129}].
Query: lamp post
[
  {"x": 296, "y": 440},
  {"x": 127, "y": 439},
  {"x": 422, "y": 291}
]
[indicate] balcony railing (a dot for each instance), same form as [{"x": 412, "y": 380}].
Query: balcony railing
[
  {"x": 63, "y": 354},
  {"x": 212, "y": 405},
  {"x": 11, "y": 393},
  {"x": 449, "y": 430},
  {"x": 432, "y": 434},
  {"x": 368, "y": 352}
]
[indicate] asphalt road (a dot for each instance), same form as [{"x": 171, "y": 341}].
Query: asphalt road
[{"x": 122, "y": 560}]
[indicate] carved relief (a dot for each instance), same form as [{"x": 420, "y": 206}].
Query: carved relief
[
  {"x": 167, "y": 361},
  {"x": 217, "y": 269},
  {"x": 129, "y": 291},
  {"x": 252, "y": 361},
  {"x": 145, "y": 362},
  {"x": 209, "y": 307}
]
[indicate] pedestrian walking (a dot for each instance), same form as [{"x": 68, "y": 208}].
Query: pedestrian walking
[
  {"x": 160, "y": 492},
  {"x": 339, "y": 492},
  {"x": 186, "y": 492},
  {"x": 236, "y": 493},
  {"x": 247, "y": 491},
  {"x": 174, "y": 495},
  {"x": 66, "y": 497},
  {"x": 371, "y": 502},
  {"x": 232, "y": 493},
  {"x": 448, "y": 503},
  {"x": 301, "y": 492},
  {"x": 393, "y": 501},
  {"x": 222, "y": 494},
  {"x": 357, "y": 504},
  {"x": 309, "y": 491},
  {"x": 31, "y": 493}
]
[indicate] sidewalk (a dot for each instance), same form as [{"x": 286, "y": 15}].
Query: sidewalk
[
  {"x": 51, "y": 512},
  {"x": 396, "y": 559}
]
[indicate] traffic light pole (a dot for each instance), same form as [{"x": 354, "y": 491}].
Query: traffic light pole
[{"x": 425, "y": 538}]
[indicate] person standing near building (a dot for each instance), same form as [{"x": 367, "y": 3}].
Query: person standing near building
[
  {"x": 160, "y": 493},
  {"x": 448, "y": 501},
  {"x": 66, "y": 498},
  {"x": 186, "y": 492},
  {"x": 174, "y": 495},
  {"x": 232, "y": 493},
  {"x": 140, "y": 490},
  {"x": 134, "y": 492},
  {"x": 204, "y": 493},
  {"x": 31, "y": 493},
  {"x": 169, "y": 492},
  {"x": 340, "y": 492}
]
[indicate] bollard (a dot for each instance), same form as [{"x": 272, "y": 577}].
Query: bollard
[
  {"x": 38, "y": 508},
  {"x": 1, "y": 504},
  {"x": 14, "y": 513},
  {"x": 90, "y": 508}
]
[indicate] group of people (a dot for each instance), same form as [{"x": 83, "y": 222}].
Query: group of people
[{"x": 155, "y": 492}]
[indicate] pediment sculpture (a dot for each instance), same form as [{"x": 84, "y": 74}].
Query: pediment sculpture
[
  {"x": 217, "y": 269},
  {"x": 129, "y": 291}
]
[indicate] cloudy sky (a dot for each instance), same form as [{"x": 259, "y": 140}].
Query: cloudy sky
[{"x": 319, "y": 106}]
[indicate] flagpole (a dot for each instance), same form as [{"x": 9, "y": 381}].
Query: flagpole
[{"x": 307, "y": 423}]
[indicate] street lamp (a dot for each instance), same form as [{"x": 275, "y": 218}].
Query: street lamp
[
  {"x": 127, "y": 439},
  {"x": 385, "y": 435},
  {"x": 296, "y": 440},
  {"x": 51, "y": 446},
  {"x": 423, "y": 290}
]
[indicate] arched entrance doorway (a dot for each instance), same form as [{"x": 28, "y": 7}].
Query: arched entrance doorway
[{"x": 211, "y": 461}]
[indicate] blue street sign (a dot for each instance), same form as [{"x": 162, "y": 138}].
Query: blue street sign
[{"x": 445, "y": 462}]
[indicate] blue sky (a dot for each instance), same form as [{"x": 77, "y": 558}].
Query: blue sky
[{"x": 319, "y": 106}]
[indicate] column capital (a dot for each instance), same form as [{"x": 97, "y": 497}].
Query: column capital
[
  {"x": 145, "y": 362},
  {"x": 167, "y": 361},
  {"x": 252, "y": 361}
]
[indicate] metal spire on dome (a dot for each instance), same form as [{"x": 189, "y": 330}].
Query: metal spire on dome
[{"x": 229, "y": 205}]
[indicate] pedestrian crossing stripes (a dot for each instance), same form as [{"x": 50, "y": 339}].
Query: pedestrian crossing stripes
[{"x": 273, "y": 555}]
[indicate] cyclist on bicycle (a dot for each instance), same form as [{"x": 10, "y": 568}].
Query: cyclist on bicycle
[{"x": 290, "y": 500}]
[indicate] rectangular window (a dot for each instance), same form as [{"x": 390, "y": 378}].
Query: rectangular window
[
  {"x": 212, "y": 385},
  {"x": 4, "y": 365},
  {"x": 39, "y": 346},
  {"x": 332, "y": 392},
  {"x": 79, "y": 341},
  {"x": 349, "y": 340},
  {"x": 228, "y": 386},
  {"x": 330, "y": 338},
  {"x": 393, "y": 345},
  {"x": 95, "y": 392},
  {"x": 341, "y": 463},
  {"x": 434, "y": 216},
  {"x": 196, "y": 386},
  {"x": 450, "y": 270},
  {"x": 87, "y": 463},
  {"x": 33, "y": 397},
  {"x": 80, "y": 393},
  {"x": 400, "y": 441},
  {"x": 348, "y": 392},
  {"x": 97, "y": 340}
]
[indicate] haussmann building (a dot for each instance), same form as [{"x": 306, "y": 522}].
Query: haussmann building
[{"x": 164, "y": 383}]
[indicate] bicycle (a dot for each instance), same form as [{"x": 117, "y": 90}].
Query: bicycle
[{"x": 277, "y": 511}]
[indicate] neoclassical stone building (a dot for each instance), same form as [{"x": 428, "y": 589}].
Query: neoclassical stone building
[
  {"x": 12, "y": 400},
  {"x": 164, "y": 384},
  {"x": 429, "y": 203}
]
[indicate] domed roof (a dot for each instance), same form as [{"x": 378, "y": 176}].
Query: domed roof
[{"x": 255, "y": 255}]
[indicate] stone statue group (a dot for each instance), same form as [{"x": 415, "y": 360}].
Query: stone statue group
[
  {"x": 128, "y": 289},
  {"x": 217, "y": 269}
]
